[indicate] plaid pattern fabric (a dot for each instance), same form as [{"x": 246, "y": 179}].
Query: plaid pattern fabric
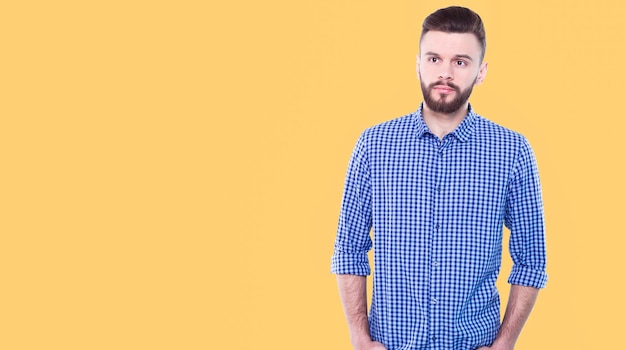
[{"x": 437, "y": 209}]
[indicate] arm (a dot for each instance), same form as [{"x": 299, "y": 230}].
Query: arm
[
  {"x": 527, "y": 246},
  {"x": 520, "y": 304},
  {"x": 350, "y": 261},
  {"x": 352, "y": 291}
]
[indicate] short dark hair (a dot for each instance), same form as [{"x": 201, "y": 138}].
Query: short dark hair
[{"x": 456, "y": 19}]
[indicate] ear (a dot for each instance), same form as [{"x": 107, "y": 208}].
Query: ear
[
  {"x": 417, "y": 65},
  {"x": 482, "y": 73}
]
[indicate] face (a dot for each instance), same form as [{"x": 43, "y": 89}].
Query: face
[{"x": 449, "y": 65}]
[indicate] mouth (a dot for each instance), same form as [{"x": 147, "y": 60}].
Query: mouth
[{"x": 444, "y": 89}]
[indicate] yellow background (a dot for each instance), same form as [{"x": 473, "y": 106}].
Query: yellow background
[{"x": 171, "y": 171}]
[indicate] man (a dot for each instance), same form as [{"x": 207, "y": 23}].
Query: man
[{"x": 436, "y": 187}]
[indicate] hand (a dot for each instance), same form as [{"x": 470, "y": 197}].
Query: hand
[{"x": 370, "y": 345}]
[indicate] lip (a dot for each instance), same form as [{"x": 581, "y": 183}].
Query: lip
[{"x": 443, "y": 88}]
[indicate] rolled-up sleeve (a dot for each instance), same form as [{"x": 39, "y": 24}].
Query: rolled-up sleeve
[
  {"x": 355, "y": 219},
  {"x": 524, "y": 217}
]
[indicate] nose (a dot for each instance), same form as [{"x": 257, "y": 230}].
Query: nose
[{"x": 445, "y": 73}]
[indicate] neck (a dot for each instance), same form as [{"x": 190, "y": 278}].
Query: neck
[{"x": 443, "y": 123}]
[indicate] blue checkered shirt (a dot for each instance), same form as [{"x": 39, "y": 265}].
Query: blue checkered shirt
[{"x": 437, "y": 209}]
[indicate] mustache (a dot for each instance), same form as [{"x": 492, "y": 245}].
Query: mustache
[{"x": 444, "y": 83}]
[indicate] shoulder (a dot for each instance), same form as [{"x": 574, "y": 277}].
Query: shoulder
[
  {"x": 503, "y": 143},
  {"x": 487, "y": 130},
  {"x": 394, "y": 129}
]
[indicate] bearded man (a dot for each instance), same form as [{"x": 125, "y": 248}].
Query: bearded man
[{"x": 435, "y": 188}]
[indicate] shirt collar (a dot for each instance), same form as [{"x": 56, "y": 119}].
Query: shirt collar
[{"x": 462, "y": 132}]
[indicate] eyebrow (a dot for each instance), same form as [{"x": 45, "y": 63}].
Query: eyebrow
[{"x": 430, "y": 53}]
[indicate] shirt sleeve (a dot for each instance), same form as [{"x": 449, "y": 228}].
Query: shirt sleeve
[
  {"x": 525, "y": 219},
  {"x": 355, "y": 219}
]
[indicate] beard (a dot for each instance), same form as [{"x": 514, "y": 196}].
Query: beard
[{"x": 445, "y": 104}]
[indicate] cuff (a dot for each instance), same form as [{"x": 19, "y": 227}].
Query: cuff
[
  {"x": 350, "y": 264},
  {"x": 527, "y": 276}
]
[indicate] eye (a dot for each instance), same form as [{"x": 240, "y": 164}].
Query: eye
[
  {"x": 433, "y": 59},
  {"x": 460, "y": 63}
]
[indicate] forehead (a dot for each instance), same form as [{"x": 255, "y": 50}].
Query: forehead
[{"x": 450, "y": 44}]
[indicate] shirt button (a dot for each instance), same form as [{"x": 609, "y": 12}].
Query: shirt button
[
  {"x": 433, "y": 301},
  {"x": 436, "y": 263}
]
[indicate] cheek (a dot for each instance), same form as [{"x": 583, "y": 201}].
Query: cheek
[
  {"x": 424, "y": 74},
  {"x": 469, "y": 79}
]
